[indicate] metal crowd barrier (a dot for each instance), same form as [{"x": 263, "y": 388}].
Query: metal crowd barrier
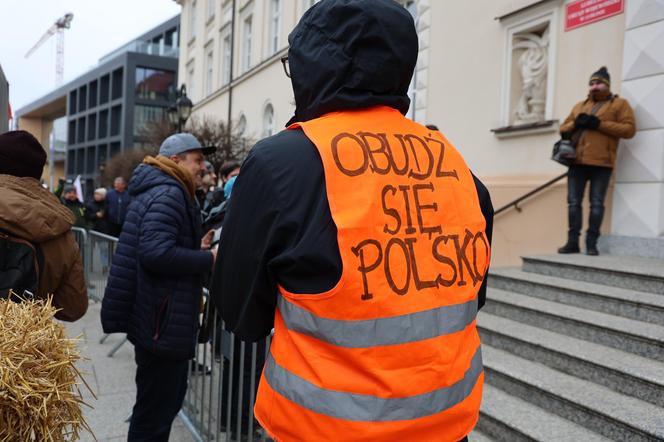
[
  {"x": 101, "y": 248},
  {"x": 81, "y": 236},
  {"x": 97, "y": 251},
  {"x": 224, "y": 374},
  {"x": 223, "y": 381}
]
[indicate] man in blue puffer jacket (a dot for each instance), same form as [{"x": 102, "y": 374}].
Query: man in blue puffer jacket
[{"x": 155, "y": 284}]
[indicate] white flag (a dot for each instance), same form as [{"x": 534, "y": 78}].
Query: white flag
[{"x": 79, "y": 189}]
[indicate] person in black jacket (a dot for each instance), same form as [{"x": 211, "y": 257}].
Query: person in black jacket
[
  {"x": 278, "y": 229},
  {"x": 71, "y": 201},
  {"x": 155, "y": 285},
  {"x": 96, "y": 212},
  {"x": 217, "y": 197},
  {"x": 278, "y": 233},
  {"x": 117, "y": 202}
]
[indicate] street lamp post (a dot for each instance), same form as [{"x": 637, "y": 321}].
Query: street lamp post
[{"x": 179, "y": 113}]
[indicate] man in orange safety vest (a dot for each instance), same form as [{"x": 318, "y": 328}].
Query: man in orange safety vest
[{"x": 363, "y": 239}]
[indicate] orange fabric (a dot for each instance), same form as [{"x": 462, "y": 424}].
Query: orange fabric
[
  {"x": 286, "y": 421},
  {"x": 411, "y": 239},
  {"x": 444, "y": 358}
]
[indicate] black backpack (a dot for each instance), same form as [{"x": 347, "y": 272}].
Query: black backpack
[{"x": 20, "y": 264}]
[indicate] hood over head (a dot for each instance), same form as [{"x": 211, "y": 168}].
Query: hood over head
[
  {"x": 31, "y": 212},
  {"x": 352, "y": 54}
]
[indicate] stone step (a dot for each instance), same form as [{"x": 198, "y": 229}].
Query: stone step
[
  {"x": 597, "y": 408},
  {"x": 477, "y": 436},
  {"x": 642, "y": 274},
  {"x": 624, "y": 334},
  {"x": 629, "y": 303},
  {"x": 632, "y": 246},
  {"x": 626, "y": 373},
  {"x": 507, "y": 418}
]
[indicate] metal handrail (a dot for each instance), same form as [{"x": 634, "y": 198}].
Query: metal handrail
[
  {"x": 525, "y": 196},
  {"x": 103, "y": 236}
]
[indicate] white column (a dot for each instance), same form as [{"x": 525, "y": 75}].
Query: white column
[{"x": 638, "y": 201}]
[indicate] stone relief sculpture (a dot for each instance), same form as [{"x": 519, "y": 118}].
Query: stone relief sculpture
[{"x": 533, "y": 64}]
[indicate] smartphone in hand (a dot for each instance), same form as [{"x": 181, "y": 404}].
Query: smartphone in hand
[{"x": 216, "y": 236}]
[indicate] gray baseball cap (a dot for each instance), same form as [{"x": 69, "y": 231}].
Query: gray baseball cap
[{"x": 183, "y": 142}]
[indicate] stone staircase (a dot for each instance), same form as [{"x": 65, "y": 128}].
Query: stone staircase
[{"x": 573, "y": 350}]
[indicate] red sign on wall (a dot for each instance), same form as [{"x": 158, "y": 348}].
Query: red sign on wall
[{"x": 582, "y": 12}]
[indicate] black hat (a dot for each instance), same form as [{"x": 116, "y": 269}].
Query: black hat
[
  {"x": 21, "y": 154},
  {"x": 601, "y": 75}
]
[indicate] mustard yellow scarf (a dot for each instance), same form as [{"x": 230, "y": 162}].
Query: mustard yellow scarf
[{"x": 173, "y": 169}]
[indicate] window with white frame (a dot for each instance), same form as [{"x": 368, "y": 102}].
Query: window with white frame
[
  {"x": 241, "y": 127},
  {"x": 191, "y": 83},
  {"x": 241, "y": 130},
  {"x": 226, "y": 59},
  {"x": 274, "y": 26},
  {"x": 211, "y": 5},
  {"x": 529, "y": 66},
  {"x": 268, "y": 121},
  {"x": 209, "y": 71},
  {"x": 192, "y": 20},
  {"x": 246, "y": 42}
]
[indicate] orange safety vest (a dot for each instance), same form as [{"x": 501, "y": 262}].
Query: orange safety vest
[{"x": 392, "y": 351}]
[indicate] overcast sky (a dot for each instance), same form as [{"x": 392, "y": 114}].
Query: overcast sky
[{"x": 98, "y": 27}]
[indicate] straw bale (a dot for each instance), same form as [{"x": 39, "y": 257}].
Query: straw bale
[{"x": 40, "y": 394}]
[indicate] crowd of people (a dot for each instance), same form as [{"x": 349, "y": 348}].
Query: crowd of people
[
  {"x": 326, "y": 242},
  {"x": 104, "y": 213}
]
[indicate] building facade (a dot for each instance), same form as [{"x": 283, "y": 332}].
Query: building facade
[
  {"x": 230, "y": 61},
  {"x": 497, "y": 77},
  {"x": 4, "y": 102},
  {"x": 105, "y": 111},
  {"x": 638, "y": 210}
]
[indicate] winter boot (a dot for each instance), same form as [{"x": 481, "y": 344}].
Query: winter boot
[
  {"x": 571, "y": 247},
  {"x": 591, "y": 248}
]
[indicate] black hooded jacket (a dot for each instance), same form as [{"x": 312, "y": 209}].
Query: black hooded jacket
[{"x": 344, "y": 54}]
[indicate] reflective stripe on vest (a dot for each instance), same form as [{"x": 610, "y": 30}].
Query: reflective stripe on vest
[
  {"x": 381, "y": 331},
  {"x": 392, "y": 351},
  {"x": 357, "y": 407}
]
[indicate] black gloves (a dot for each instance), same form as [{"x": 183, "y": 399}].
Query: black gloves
[{"x": 585, "y": 121}]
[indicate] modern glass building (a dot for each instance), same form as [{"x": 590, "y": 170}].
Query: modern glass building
[{"x": 108, "y": 108}]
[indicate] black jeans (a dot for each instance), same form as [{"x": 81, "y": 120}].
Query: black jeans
[
  {"x": 576, "y": 184},
  {"x": 161, "y": 385}
]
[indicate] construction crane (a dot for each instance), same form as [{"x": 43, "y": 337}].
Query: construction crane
[{"x": 58, "y": 29}]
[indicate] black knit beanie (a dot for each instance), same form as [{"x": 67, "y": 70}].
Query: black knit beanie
[
  {"x": 601, "y": 75},
  {"x": 21, "y": 155}
]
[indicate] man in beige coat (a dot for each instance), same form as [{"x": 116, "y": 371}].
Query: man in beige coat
[
  {"x": 595, "y": 125},
  {"x": 28, "y": 212}
]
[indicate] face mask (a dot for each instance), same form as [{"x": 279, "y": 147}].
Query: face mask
[
  {"x": 228, "y": 187},
  {"x": 600, "y": 95}
]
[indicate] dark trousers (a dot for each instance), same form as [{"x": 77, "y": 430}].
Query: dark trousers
[
  {"x": 114, "y": 229},
  {"x": 161, "y": 385},
  {"x": 577, "y": 179}
]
